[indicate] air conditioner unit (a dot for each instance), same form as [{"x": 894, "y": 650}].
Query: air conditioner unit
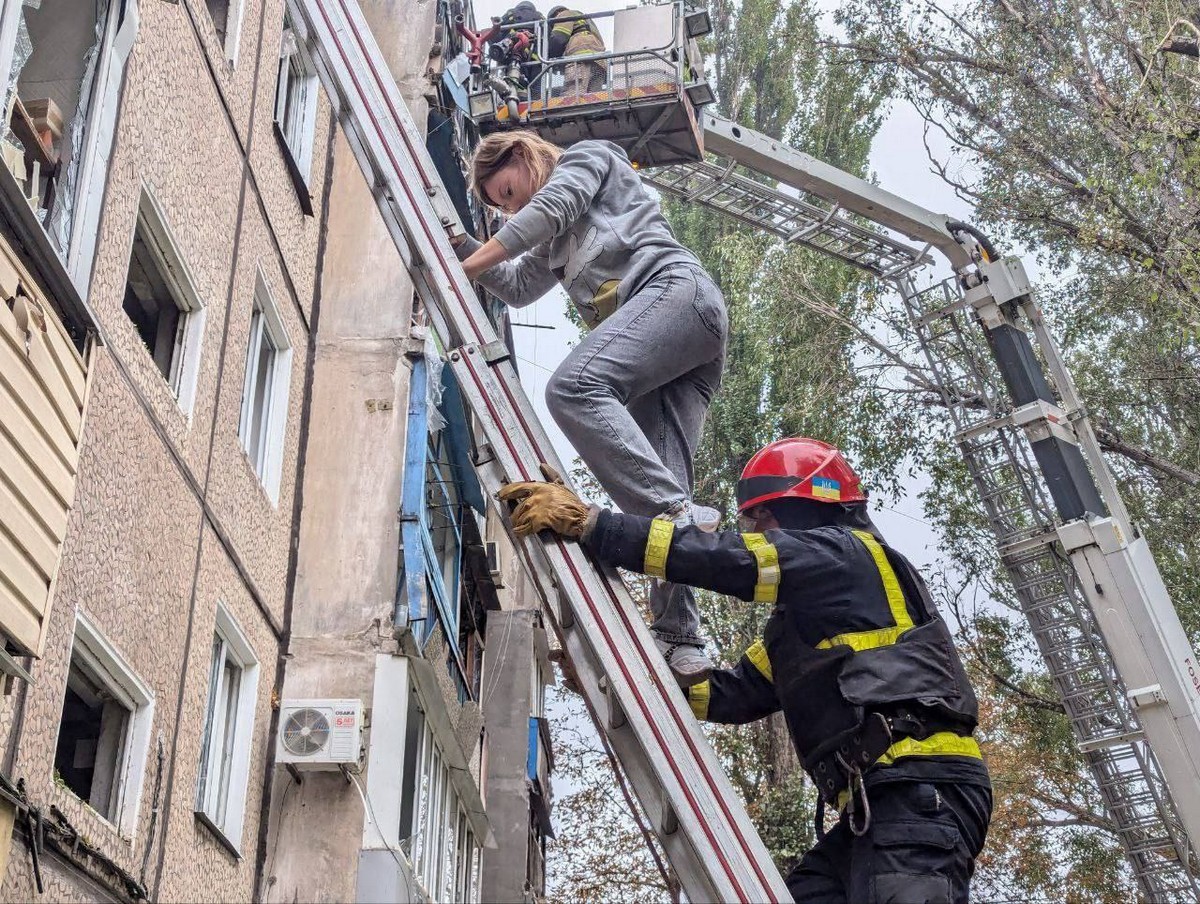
[{"x": 319, "y": 734}]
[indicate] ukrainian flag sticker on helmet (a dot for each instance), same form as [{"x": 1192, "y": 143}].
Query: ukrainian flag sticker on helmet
[{"x": 827, "y": 488}]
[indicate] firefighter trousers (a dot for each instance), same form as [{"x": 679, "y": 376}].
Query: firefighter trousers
[{"x": 920, "y": 848}]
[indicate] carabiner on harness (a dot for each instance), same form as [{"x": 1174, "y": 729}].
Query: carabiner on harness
[{"x": 858, "y": 792}]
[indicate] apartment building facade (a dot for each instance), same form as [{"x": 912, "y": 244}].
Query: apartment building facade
[{"x": 232, "y": 475}]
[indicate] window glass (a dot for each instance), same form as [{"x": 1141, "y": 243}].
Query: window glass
[{"x": 228, "y": 730}]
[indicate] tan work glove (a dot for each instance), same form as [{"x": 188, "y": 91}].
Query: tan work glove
[{"x": 546, "y": 506}]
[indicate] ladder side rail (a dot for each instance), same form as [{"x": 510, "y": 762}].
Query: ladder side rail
[
  {"x": 608, "y": 643},
  {"x": 730, "y": 858}
]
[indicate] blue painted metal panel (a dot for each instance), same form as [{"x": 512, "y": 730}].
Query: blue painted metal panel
[
  {"x": 412, "y": 505},
  {"x": 531, "y": 761}
]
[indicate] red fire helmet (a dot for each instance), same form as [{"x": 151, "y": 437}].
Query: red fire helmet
[{"x": 798, "y": 468}]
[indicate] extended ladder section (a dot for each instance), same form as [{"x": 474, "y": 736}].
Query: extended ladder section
[
  {"x": 1084, "y": 577},
  {"x": 697, "y": 816}
]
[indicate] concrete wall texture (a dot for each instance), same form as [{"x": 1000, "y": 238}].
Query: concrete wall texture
[{"x": 170, "y": 518}]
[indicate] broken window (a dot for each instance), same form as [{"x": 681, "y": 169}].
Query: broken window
[
  {"x": 163, "y": 306},
  {"x": 265, "y": 394},
  {"x": 100, "y": 753},
  {"x": 151, "y": 307},
  {"x": 296, "y": 100},
  {"x": 66, "y": 65},
  {"x": 218, "y": 10},
  {"x": 91, "y": 738},
  {"x": 444, "y": 853},
  {"x": 226, "y": 17}
]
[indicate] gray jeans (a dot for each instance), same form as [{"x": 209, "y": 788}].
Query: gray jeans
[{"x": 632, "y": 397}]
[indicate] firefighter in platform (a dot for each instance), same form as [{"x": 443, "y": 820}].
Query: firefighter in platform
[
  {"x": 854, "y": 654},
  {"x": 514, "y": 46},
  {"x": 572, "y": 34}
]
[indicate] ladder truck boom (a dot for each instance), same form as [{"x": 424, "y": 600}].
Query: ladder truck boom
[
  {"x": 1084, "y": 575},
  {"x": 695, "y": 812}
]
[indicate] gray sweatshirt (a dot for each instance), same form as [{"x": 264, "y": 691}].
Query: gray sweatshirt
[{"x": 592, "y": 227}]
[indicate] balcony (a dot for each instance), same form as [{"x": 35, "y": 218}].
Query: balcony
[{"x": 44, "y": 329}]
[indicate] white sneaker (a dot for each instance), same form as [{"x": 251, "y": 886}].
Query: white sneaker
[{"x": 688, "y": 662}]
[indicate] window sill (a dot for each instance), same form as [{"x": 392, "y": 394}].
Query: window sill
[
  {"x": 92, "y": 812},
  {"x": 215, "y": 831},
  {"x": 298, "y": 181}
]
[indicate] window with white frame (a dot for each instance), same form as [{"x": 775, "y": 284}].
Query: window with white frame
[
  {"x": 444, "y": 851},
  {"x": 296, "y": 100},
  {"x": 226, "y": 16},
  {"x": 265, "y": 391},
  {"x": 64, "y": 61},
  {"x": 104, "y": 728},
  {"x": 162, "y": 303},
  {"x": 228, "y": 730}
]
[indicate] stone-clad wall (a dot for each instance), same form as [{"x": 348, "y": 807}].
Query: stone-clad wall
[{"x": 169, "y": 517}]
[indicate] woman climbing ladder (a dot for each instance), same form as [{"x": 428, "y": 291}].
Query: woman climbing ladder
[{"x": 632, "y": 395}]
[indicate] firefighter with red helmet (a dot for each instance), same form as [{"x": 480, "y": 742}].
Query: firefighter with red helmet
[{"x": 854, "y": 654}]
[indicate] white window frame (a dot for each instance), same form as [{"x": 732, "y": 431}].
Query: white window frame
[
  {"x": 265, "y": 319},
  {"x": 189, "y": 336},
  {"x": 98, "y": 143},
  {"x": 94, "y": 156},
  {"x": 299, "y": 134},
  {"x": 233, "y": 29},
  {"x": 445, "y": 852},
  {"x": 119, "y": 678},
  {"x": 235, "y": 647}
]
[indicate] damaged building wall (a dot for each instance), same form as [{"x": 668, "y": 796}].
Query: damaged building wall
[
  {"x": 425, "y": 747},
  {"x": 171, "y": 521},
  {"x": 174, "y": 535}
]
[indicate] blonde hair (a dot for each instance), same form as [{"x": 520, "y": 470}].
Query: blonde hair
[{"x": 498, "y": 149}]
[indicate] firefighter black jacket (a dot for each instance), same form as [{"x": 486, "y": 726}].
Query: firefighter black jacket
[{"x": 852, "y": 630}]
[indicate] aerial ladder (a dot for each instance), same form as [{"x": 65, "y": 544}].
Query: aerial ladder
[{"x": 1083, "y": 574}]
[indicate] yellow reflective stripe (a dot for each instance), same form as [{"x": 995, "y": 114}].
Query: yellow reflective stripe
[
  {"x": 891, "y": 584},
  {"x": 698, "y": 695},
  {"x": 658, "y": 544},
  {"x": 941, "y": 743},
  {"x": 864, "y": 640},
  {"x": 902, "y": 621},
  {"x": 766, "y": 588},
  {"x": 757, "y": 654}
]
